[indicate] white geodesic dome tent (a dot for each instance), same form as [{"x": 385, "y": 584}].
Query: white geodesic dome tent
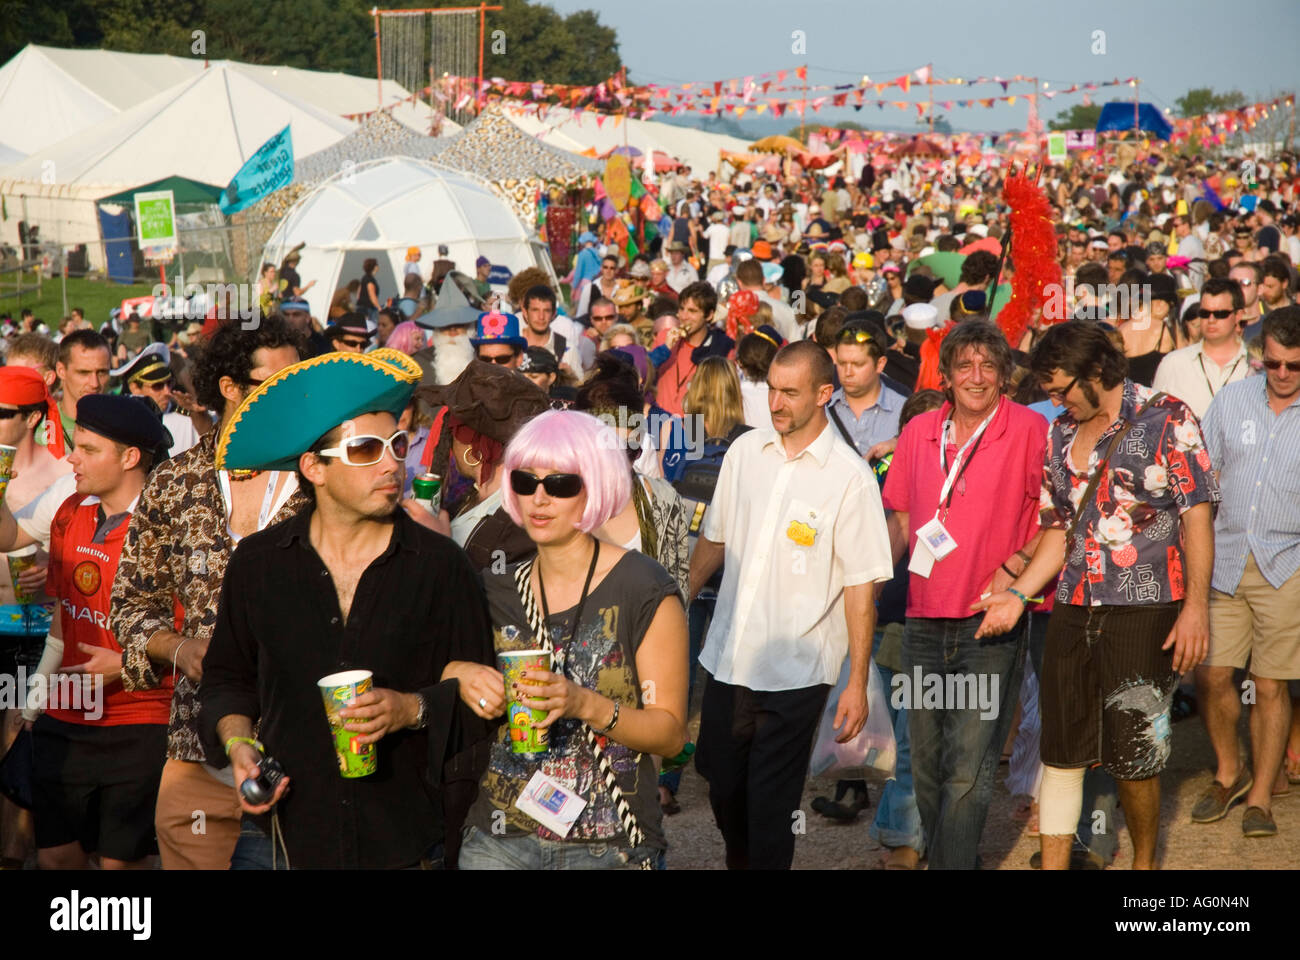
[{"x": 380, "y": 208}]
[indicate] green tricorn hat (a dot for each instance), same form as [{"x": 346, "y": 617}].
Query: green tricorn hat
[{"x": 282, "y": 417}]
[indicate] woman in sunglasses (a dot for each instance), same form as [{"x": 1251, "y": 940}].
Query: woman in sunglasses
[{"x": 616, "y": 694}]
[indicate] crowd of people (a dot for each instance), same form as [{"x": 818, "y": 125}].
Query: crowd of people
[{"x": 784, "y": 447}]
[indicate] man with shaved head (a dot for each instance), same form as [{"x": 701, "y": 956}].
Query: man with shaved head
[{"x": 796, "y": 516}]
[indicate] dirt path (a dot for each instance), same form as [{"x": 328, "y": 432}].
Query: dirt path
[{"x": 696, "y": 844}]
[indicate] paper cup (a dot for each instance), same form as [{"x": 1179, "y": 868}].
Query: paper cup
[
  {"x": 6, "y": 466},
  {"x": 19, "y": 561},
  {"x": 511, "y": 663},
  {"x": 356, "y": 759}
]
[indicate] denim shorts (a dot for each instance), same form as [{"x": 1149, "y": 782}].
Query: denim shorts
[{"x": 481, "y": 851}]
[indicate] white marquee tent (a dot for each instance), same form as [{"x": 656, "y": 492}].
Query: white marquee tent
[
  {"x": 49, "y": 93},
  {"x": 202, "y": 129},
  {"x": 382, "y": 207},
  {"x": 565, "y": 128}
]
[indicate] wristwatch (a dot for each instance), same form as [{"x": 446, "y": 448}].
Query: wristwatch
[{"x": 421, "y": 718}]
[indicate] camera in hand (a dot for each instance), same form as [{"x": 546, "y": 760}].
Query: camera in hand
[{"x": 261, "y": 789}]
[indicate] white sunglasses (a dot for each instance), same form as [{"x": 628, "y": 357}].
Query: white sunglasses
[{"x": 366, "y": 450}]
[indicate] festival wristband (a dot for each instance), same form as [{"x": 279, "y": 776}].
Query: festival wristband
[
  {"x": 248, "y": 740},
  {"x": 1018, "y": 595}
]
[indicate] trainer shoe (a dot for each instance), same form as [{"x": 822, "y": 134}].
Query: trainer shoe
[{"x": 1218, "y": 799}]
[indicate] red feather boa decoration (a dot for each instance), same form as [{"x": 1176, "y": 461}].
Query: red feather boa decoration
[{"x": 1033, "y": 252}]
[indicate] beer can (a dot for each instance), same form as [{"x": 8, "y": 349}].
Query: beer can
[{"x": 427, "y": 489}]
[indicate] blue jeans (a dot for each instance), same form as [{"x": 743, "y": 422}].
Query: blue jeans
[
  {"x": 956, "y": 745},
  {"x": 1099, "y": 790},
  {"x": 253, "y": 850},
  {"x": 698, "y": 616},
  {"x": 479, "y": 851},
  {"x": 898, "y": 821}
]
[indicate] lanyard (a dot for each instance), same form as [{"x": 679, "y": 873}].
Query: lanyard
[
  {"x": 270, "y": 504},
  {"x": 961, "y": 462},
  {"x": 577, "y": 616},
  {"x": 1200, "y": 357}
]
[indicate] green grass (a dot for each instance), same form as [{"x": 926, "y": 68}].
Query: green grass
[{"x": 96, "y": 297}]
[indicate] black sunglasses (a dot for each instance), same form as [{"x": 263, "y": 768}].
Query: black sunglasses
[
  {"x": 565, "y": 486},
  {"x": 10, "y": 414},
  {"x": 1292, "y": 365},
  {"x": 504, "y": 360},
  {"x": 1216, "y": 314},
  {"x": 1062, "y": 393}
]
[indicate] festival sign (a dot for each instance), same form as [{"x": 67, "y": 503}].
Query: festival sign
[
  {"x": 618, "y": 181},
  {"x": 1056, "y": 147},
  {"x": 265, "y": 172},
  {"x": 155, "y": 225},
  {"x": 1081, "y": 139}
]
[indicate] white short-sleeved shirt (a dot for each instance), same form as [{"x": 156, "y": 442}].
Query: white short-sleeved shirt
[
  {"x": 37, "y": 516},
  {"x": 795, "y": 533},
  {"x": 1194, "y": 378}
]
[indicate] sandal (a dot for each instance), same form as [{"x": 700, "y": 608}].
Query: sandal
[
  {"x": 1292, "y": 766},
  {"x": 669, "y": 806}
]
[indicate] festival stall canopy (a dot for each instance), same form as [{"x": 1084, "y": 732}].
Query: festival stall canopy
[
  {"x": 698, "y": 149},
  {"x": 1117, "y": 115},
  {"x": 183, "y": 191},
  {"x": 777, "y": 144},
  {"x": 517, "y": 165},
  {"x": 381, "y": 208}
]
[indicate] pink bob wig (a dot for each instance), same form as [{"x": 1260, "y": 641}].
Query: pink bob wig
[
  {"x": 565, "y": 441},
  {"x": 407, "y": 337}
]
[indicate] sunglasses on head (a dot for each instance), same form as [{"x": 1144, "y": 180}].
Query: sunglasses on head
[
  {"x": 1292, "y": 366},
  {"x": 366, "y": 450},
  {"x": 1216, "y": 314},
  {"x": 855, "y": 335},
  {"x": 565, "y": 486}
]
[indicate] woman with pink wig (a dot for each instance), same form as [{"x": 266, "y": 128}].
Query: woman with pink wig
[
  {"x": 615, "y": 695},
  {"x": 407, "y": 337}
]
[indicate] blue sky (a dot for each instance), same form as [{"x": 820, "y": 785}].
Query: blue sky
[{"x": 1248, "y": 45}]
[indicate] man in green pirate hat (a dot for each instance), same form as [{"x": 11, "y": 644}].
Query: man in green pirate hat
[{"x": 352, "y": 583}]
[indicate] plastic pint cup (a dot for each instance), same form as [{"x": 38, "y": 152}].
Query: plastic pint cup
[
  {"x": 19, "y": 561},
  {"x": 6, "y": 466},
  {"x": 524, "y": 738},
  {"x": 356, "y": 759}
]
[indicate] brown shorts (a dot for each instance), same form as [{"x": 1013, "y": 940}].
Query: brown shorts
[
  {"x": 1107, "y": 688},
  {"x": 1257, "y": 623}
]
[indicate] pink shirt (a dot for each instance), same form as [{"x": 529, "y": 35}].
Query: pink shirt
[{"x": 992, "y": 518}]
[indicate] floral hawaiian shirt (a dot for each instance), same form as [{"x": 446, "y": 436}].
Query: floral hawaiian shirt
[{"x": 1127, "y": 548}]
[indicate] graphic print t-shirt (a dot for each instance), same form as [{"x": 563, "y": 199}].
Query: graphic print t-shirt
[{"x": 602, "y": 657}]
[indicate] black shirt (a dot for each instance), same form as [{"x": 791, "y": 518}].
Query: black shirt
[{"x": 279, "y": 630}]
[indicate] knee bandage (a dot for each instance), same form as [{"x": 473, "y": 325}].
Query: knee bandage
[{"x": 1060, "y": 802}]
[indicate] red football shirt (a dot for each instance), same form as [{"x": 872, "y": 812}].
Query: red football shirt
[{"x": 81, "y": 577}]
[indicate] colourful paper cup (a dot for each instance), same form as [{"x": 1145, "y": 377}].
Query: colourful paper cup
[
  {"x": 356, "y": 759},
  {"x": 19, "y": 561},
  {"x": 7, "y": 454},
  {"x": 524, "y": 738}
]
